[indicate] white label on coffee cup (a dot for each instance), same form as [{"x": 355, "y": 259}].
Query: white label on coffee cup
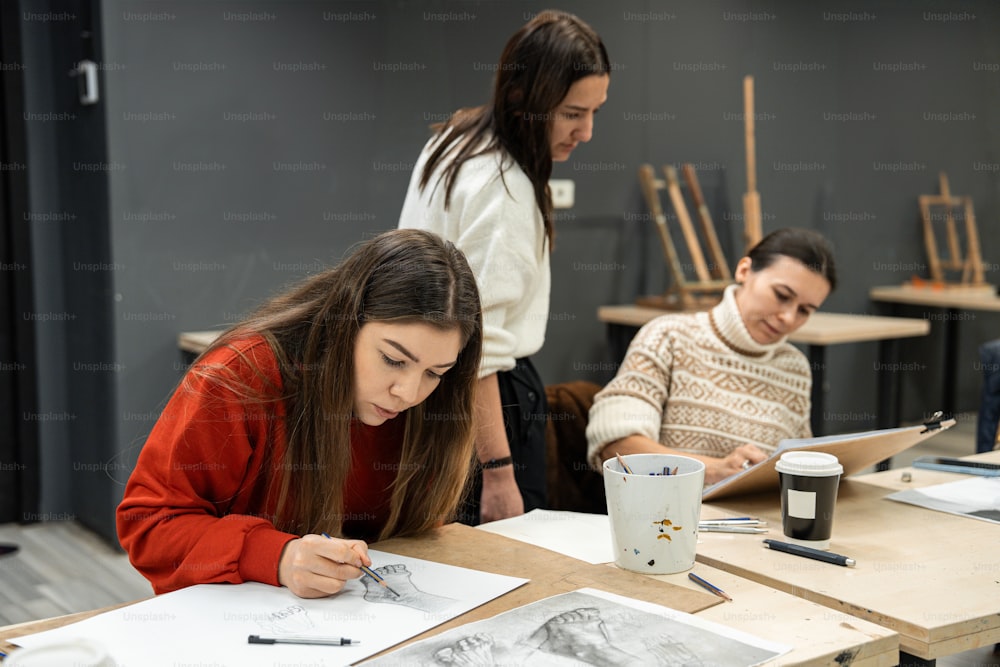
[{"x": 801, "y": 504}]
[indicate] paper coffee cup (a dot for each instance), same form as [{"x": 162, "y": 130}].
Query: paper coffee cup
[
  {"x": 809, "y": 482},
  {"x": 654, "y": 516}
]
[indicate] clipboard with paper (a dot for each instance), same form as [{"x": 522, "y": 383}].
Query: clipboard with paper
[{"x": 855, "y": 451}]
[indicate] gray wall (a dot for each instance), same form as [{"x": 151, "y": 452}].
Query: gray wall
[{"x": 251, "y": 143}]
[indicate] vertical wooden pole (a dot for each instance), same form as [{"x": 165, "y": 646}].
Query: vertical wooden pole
[{"x": 751, "y": 200}]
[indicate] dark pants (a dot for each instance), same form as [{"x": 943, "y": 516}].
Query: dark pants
[
  {"x": 522, "y": 397},
  {"x": 989, "y": 403}
]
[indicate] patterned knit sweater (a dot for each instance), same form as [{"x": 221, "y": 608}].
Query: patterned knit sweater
[{"x": 699, "y": 383}]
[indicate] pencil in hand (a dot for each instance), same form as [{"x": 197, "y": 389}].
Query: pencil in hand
[
  {"x": 371, "y": 573},
  {"x": 381, "y": 582}
]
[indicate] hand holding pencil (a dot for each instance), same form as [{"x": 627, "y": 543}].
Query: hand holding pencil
[{"x": 314, "y": 566}]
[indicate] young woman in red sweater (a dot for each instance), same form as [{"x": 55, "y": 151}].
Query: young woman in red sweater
[{"x": 343, "y": 406}]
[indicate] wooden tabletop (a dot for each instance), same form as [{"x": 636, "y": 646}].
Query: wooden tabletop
[
  {"x": 896, "y": 480},
  {"x": 931, "y": 576},
  {"x": 970, "y": 299},
  {"x": 820, "y": 329},
  {"x": 196, "y": 342},
  {"x": 464, "y": 546},
  {"x": 819, "y": 637}
]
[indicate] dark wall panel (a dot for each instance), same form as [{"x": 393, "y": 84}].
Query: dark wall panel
[{"x": 258, "y": 140}]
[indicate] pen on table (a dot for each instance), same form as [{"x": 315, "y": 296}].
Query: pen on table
[
  {"x": 809, "y": 552},
  {"x": 704, "y": 584},
  {"x": 318, "y": 641},
  {"x": 732, "y": 522},
  {"x": 371, "y": 573},
  {"x": 622, "y": 463},
  {"x": 717, "y": 528}
]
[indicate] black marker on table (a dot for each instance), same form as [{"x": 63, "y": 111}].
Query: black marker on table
[{"x": 809, "y": 552}]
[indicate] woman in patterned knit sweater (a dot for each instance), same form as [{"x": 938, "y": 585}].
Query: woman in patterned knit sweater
[{"x": 722, "y": 386}]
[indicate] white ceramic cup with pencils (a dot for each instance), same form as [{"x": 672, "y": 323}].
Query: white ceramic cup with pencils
[{"x": 654, "y": 511}]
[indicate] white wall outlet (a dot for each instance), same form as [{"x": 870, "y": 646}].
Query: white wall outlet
[{"x": 563, "y": 190}]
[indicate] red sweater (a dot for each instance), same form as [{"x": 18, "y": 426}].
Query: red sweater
[{"x": 197, "y": 508}]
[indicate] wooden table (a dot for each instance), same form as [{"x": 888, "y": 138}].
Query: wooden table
[
  {"x": 820, "y": 330},
  {"x": 893, "y": 480},
  {"x": 930, "y": 576},
  {"x": 193, "y": 343},
  {"x": 819, "y": 637},
  {"x": 952, "y": 301}
]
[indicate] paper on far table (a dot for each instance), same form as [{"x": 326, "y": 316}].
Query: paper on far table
[
  {"x": 586, "y": 537},
  {"x": 209, "y": 624},
  {"x": 976, "y": 498}
]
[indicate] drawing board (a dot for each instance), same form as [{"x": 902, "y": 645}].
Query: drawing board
[{"x": 855, "y": 451}]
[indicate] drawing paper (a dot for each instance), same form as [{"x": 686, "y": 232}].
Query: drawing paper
[
  {"x": 588, "y": 627},
  {"x": 855, "y": 451},
  {"x": 976, "y": 498},
  {"x": 560, "y": 532},
  {"x": 209, "y": 624}
]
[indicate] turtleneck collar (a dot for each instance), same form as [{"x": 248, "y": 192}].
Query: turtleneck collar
[{"x": 727, "y": 323}]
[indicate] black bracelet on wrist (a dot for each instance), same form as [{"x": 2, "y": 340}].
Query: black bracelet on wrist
[{"x": 497, "y": 463}]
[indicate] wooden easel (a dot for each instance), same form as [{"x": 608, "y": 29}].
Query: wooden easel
[
  {"x": 752, "y": 230},
  {"x": 971, "y": 265},
  {"x": 710, "y": 278}
]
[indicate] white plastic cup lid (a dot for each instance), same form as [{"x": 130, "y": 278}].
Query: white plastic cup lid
[
  {"x": 809, "y": 464},
  {"x": 80, "y": 652}
]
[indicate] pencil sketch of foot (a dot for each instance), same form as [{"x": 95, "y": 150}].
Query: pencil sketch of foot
[
  {"x": 581, "y": 634},
  {"x": 474, "y": 650},
  {"x": 669, "y": 651},
  {"x": 292, "y": 620},
  {"x": 398, "y": 579}
]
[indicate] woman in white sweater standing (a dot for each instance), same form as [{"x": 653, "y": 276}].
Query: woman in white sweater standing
[
  {"x": 723, "y": 386},
  {"x": 482, "y": 183}
]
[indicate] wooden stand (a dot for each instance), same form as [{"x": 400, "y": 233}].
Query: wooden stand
[
  {"x": 710, "y": 278},
  {"x": 971, "y": 265},
  {"x": 752, "y": 228}
]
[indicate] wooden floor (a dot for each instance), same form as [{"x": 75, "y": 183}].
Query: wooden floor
[
  {"x": 60, "y": 568},
  {"x": 63, "y": 568}
]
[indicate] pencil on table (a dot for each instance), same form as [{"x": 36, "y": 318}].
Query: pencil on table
[{"x": 704, "y": 584}]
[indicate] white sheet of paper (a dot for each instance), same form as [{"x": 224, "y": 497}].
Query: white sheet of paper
[
  {"x": 586, "y": 537},
  {"x": 589, "y": 626},
  {"x": 976, "y": 498},
  {"x": 209, "y": 624}
]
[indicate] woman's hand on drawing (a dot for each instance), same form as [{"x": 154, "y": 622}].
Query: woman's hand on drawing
[
  {"x": 737, "y": 461},
  {"x": 501, "y": 496},
  {"x": 314, "y": 566}
]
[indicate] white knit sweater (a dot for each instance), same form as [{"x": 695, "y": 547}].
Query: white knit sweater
[
  {"x": 498, "y": 226},
  {"x": 699, "y": 383}
]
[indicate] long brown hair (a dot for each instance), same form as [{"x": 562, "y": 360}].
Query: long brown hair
[
  {"x": 403, "y": 275},
  {"x": 539, "y": 64}
]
